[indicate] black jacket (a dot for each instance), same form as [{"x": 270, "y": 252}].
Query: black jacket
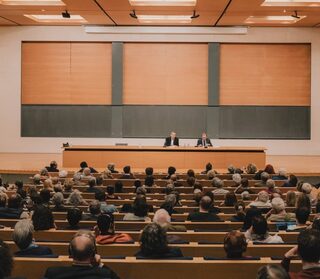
[
  {"x": 168, "y": 141},
  {"x": 207, "y": 142},
  {"x": 34, "y": 251}
]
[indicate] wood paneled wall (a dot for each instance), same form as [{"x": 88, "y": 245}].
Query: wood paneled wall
[
  {"x": 165, "y": 74},
  {"x": 66, "y": 73},
  {"x": 265, "y": 74}
]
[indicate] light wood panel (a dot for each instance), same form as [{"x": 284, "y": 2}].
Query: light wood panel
[
  {"x": 66, "y": 73},
  {"x": 265, "y": 74},
  {"x": 165, "y": 74}
]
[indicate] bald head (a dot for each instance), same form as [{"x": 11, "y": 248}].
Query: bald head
[{"x": 82, "y": 247}]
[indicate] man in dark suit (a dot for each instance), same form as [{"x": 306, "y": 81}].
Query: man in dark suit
[
  {"x": 204, "y": 141},
  {"x": 86, "y": 263},
  {"x": 172, "y": 140}
]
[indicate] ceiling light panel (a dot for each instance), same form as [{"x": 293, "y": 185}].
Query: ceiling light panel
[
  {"x": 273, "y": 19},
  {"x": 291, "y": 3},
  {"x": 32, "y": 2},
  {"x": 56, "y": 18},
  {"x": 175, "y": 3}
]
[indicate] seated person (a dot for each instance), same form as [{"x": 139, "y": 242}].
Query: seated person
[
  {"x": 45, "y": 196},
  {"x": 92, "y": 184},
  {"x": 94, "y": 209},
  {"x": 110, "y": 193},
  {"x": 235, "y": 245},
  {"x": 272, "y": 271},
  {"x": 76, "y": 199},
  {"x": 251, "y": 168},
  {"x": 302, "y": 216},
  {"x": 105, "y": 231},
  {"x": 154, "y": 243},
  {"x": 58, "y": 201},
  {"x": 204, "y": 141},
  {"x": 23, "y": 238},
  {"x": 213, "y": 209},
  {"x": 262, "y": 200},
  {"x": 13, "y": 210},
  {"x": 236, "y": 178},
  {"x": 291, "y": 198},
  {"x": 172, "y": 140},
  {"x": 244, "y": 186},
  {"x": 53, "y": 167},
  {"x": 308, "y": 249},
  {"x": 208, "y": 168},
  {"x": 20, "y": 191},
  {"x": 149, "y": 171},
  {"x": 74, "y": 216},
  {"x": 140, "y": 210},
  {"x": 171, "y": 170},
  {"x": 282, "y": 175},
  {"x": 229, "y": 200},
  {"x": 86, "y": 174},
  {"x": 240, "y": 212},
  {"x": 291, "y": 182},
  {"x": 264, "y": 177},
  {"x": 127, "y": 173},
  {"x": 104, "y": 207},
  {"x": 42, "y": 218},
  {"x": 111, "y": 168},
  {"x": 258, "y": 232},
  {"x": 203, "y": 215},
  {"x": 250, "y": 214},
  {"x": 218, "y": 184},
  {"x": 278, "y": 212},
  {"x": 84, "y": 165},
  {"x": 162, "y": 218},
  {"x": 86, "y": 263},
  {"x": 149, "y": 181}
]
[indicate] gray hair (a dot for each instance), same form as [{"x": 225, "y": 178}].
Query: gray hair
[
  {"x": 44, "y": 172},
  {"x": 263, "y": 196},
  {"x": 23, "y": 233},
  {"x": 161, "y": 217},
  {"x": 282, "y": 172},
  {"x": 236, "y": 178},
  {"x": 251, "y": 168},
  {"x": 75, "y": 198},
  {"x": 171, "y": 198},
  {"x": 211, "y": 174},
  {"x": 217, "y": 182},
  {"x": 58, "y": 198},
  {"x": 63, "y": 173},
  {"x": 270, "y": 183},
  {"x": 278, "y": 204},
  {"x": 265, "y": 176}
]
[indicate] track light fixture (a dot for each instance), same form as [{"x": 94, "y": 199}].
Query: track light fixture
[
  {"x": 65, "y": 14},
  {"x": 295, "y": 15},
  {"x": 133, "y": 14},
  {"x": 194, "y": 15}
]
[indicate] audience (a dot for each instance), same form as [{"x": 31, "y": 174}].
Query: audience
[
  {"x": 127, "y": 173},
  {"x": 240, "y": 212},
  {"x": 278, "y": 212},
  {"x": 53, "y": 167},
  {"x": 111, "y": 168},
  {"x": 243, "y": 187},
  {"x": 203, "y": 215},
  {"x": 19, "y": 189},
  {"x": 140, "y": 210},
  {"x": 218, "y": 184},
  {"x": 154, "y": 244},
  {"x": 13, "y": 210},
  {"x": 74, "y": 216},
  {"x": 110, "y": 193},
  {"x": 84, "y": 165},
  {"x": 208, "y": 168},
  {"x": 235, "y": 245},
  {"x": 105, "y": 231},
  {"x": 272, "y": 271},
  {"x": 291, "y": 199},
  {"x": 42, "y": 218},
  {"x": 302, "y": 216},
  {"x": 92, "y": 184},
  {"x": 58, "y": 201},
  {"x": 162, "y": 218},
  {"x": 76, "y": 199},
  {"x": 291, "y": 182},
  {"x": 251, "y": 168},
  {"x": 94, "y": 211},
  {"x": 23, "y": 238},
  {"x": 104, "y": 207},
  {"x": 229, "y": 200},
  {"x": 282, "y": 175},
  {"x": 262, "y": 200},
  {"x": 86, "y": 262},
  {"x": 6, "y": 260},
  {"x": 264, "y": 178}
]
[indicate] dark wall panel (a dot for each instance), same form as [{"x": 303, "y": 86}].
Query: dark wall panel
[
  {"x": 158, "y": 121},
  {"x": 66, "y": 121},
  {"x": 259, "y": 122},
  {"x": 213, "y": 122}
]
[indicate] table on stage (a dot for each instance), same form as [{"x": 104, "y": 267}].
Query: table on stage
[{"x": 162, "y": 157}]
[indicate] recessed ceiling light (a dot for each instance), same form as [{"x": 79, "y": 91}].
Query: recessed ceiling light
[
  {"x": 32, "y": 2},
  {"x": 57, "y": 18},
  {"x": 273, "y": 19},
  {"x": 163, "y": 2},
  {"x": 292, "y": 3},
  {"x": 164, "y": 18}
]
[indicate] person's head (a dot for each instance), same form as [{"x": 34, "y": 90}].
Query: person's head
[
  {"x": 171, "y": 198},
  {"x": 250, "y": 214},
  {"x": 53, "y": 164},
  {"x": 191, "y": 173},
  {"x": 110, "y": 190},
  {"x": 173, "y": 177},
  {"x": 211, "y": 174},
  {"x": 23, "y": 233},
  {"x": 137, "y": 183},
  {"x": 265, "y": 176},
  {"x": 68, "y": 185},
  {"x": 127, "y": 169},
  {"x": 153, "y": 240},
  {"x": 100, "y": 195},
  {"x": 230, "y": 199},
  {"x": 161, "y": 217},
  {"x": 309, "y": 246},
  {"x": 37, "y": 179},
  {"x": 205, "y": 203},
  {"x": 293, "y": 180},
  {"x": 83, "y": 165},
  {"x": 245, "y": 182},
  {"x": 45, "y": 195},
  {"x": 74, "y": 215},
  {"x": 235, "y": 244},
  {"x": 140, "y": 206},
  {"x": 251, "y": 168},
  {"x": 111, "y": 167},
  {"x": 303, "y": 201},
  {"x": 306, "y": 188},
  {"x": 92, "y": 182},
  {"x": 19, "y": 184},
  {"x": 86, "y": 172},
  {"x": 269, "y": 169},
  {"x": 57, "y": 188},
  {"x": 210, "y": 195},
  {"x": 291, "y": 198},
  {"x": 58, "y": 199},
  {"x": 259, "y": 226},
  {"x": 173, "y": 135},
  {"x": 6, "y": 260},
  {"x": 42, "y": 218},
  {"x": 190, "y": 181},
  {"x": 263, "y": 196},
  {"x": 3, "y": 199},
  {"x": 272, "y": 271},
  {"x": 63, "y": 173},
  {"x": 197, "y": 185},
  {"x": 141, "y": 191},
  {"x": 171, "y": 170},
  {"x": 217, "y": 182},
  {"x": 231, "y": 169},
  {"x": 270, "y": 184},
  {"x": 204, "y": 135},
  {"x": 105, "y": 223},
  {"x": 236, "y": 178},
  {"x": 95, "y": 207},
  {"x": 278, "y": 205},
  {"x": 55, "y": 180},
  {"x": 245, "y": 195},
  {"x": 197, "y": 196},
  {"x": 75, "y": 198},
  {"x": 208, "y": 167},
  {"x": 44, "y": 172},
  {"x": 149, "y": 181},
  {"x": 169, "y": 188},
  {"x": 118, "y": 187},
  {"x": 15, "y": 201},
  {"x": 83, "y": 247},
  {"x": 302, "y": 215},
  {"x": 282, "y": 172},
  {"x": 149, "y": 171},
  {"x": 168, "y": 207},
  {"x": 240, "y": 207}
]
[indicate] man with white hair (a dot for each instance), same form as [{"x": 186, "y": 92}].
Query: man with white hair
[
  {"x": 23, "y": 238},
  {"x": 236, "y": 179},
  {"x": 278, "y": 212},
  {"x": 311, "y": 192},
  {"x": 162, "y": 218},
  {"x": 282, "y": 175},
  {"x": 264, "y": 178},
  {"x": 262, "y": 200},
  {"x": 218, "y": 184}
]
